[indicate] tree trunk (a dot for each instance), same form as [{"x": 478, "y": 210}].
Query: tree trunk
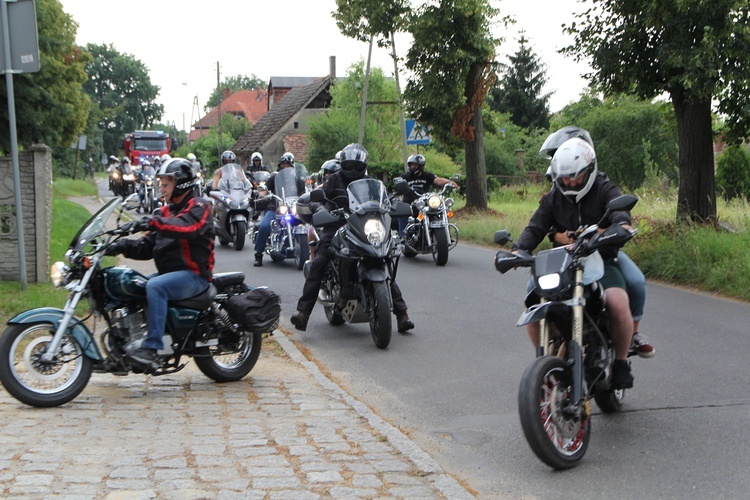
[
  {"x": 696, "y": 198},
  {"x": 476, "y": 170}
]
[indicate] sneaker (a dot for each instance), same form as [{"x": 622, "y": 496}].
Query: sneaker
[
  {"x": 641, "y": 347},
  {"x": 258, "y": 260},
  {"x": 144, "y": 355},
  {"x": 299, "y": 320},
  {"x": 621, "y": 376},
  {"x": 403, "y": 322}
]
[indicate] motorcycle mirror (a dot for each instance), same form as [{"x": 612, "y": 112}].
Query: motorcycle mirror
[
  {"x": 131, "y": 202},
  {"x": 455, "y": 178},
  {"x": 402, "y": 187},
  {"x": 317, "y": 195},
  {"x": 622, "y": 202},
  {"x": 502, "y": 237}
]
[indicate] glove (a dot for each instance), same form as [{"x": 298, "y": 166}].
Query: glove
[
  {"x": 136, "y": 226},
  {"x": 114, "y": 248}
]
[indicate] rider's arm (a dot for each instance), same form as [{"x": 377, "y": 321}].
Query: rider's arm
[
  {"x": 140, "y": 248},
  {"x": 216, "y": 179},
  {"x": 538, "y": 226},
  {"x": 442, "y": 181},
  {"x": 191, "y": 222}
]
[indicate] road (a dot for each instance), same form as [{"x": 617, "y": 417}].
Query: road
[{"x": 452, "y": 384}]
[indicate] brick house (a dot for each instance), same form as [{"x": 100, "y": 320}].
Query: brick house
[{"x": 248, "y": 104}]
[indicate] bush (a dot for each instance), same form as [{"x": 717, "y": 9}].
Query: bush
[{"x": 733, "y": 173}]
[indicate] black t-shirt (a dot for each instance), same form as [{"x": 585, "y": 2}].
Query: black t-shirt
[{"x": 420, "y": 183}]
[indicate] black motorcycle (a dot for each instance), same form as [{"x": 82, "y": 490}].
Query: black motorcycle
[
  {"x": 147, "y": 191},
  {"x": 47, "y": 354},
  {"x": 576, "y": 353},
  {"x": 364, "y": 258}
]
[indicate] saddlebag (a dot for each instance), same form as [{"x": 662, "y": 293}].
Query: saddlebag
[{"x": 257, "y": 310}]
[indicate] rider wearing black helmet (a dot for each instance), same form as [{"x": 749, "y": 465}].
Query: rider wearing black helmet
[
  {"x": 180, "y": 239},
  {"x": 353, "y": 159}
]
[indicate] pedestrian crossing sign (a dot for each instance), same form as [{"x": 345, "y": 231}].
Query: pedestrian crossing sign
[{"x": 416, "y": 133}]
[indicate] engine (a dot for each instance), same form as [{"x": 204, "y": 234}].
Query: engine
[{"x": 129, "y": 322}]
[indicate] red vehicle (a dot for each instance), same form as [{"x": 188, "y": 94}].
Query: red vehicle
[{"x": 147, "y": 144}]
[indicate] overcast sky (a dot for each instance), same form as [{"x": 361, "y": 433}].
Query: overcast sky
[{"x": 181, "y": 42}]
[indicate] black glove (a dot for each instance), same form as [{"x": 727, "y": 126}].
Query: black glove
[
  {"x": 136, "y": 226},
  {"x": 114, "y": 248}
]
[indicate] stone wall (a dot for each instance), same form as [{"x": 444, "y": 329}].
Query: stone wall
[{"x": 35, "y": 166}]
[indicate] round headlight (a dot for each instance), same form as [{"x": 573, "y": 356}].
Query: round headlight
[
  {"x": 375, "y": 232},
  {"x": 283, "y": 209},
  {"x": 420, "y": 204},
  {"x": 448, "y": 203},
  {"x": 434, "y": 202},
  {"x": 57, "y": 273}
]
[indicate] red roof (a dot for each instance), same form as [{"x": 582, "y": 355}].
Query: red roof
[{"x": 250, "y": 104}]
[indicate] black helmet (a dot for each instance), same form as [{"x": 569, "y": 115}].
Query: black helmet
[
  {"x": 182, "y": 171},
  {"x": 415, "y": 163},
  {"x": 353, "y": 161},
  {"x": 228, "y": 157},
  {"x": 556, "y": 139},
  {"x": 330, "y": 167},
  {"x": 286, "y": 158}
]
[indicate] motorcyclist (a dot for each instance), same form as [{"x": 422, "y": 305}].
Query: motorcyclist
[
  {"x": 256, "y": 165},
  {"x": 112, "y": 167},
  {"x": 180, "y": 239},
  {"x": 353, "y": 160},
  {"x": 420, "y": 182},
  {"x": 229, "y": 170},
  {"x": 146, "y": 171},
  {"x": 636, "y": 281},
  {"x": 578, "y": 198},
  {"x": 264, "y": 229}
]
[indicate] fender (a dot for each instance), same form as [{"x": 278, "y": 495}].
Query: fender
[
  {"x": 238, "y": 216},
  {"x": 376, "y": 273},
  {"x": 53, "y": 315}
]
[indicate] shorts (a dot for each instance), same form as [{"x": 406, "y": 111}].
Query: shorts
[{"x": 613, "y": 277}]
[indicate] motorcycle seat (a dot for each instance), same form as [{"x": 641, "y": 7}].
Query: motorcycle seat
[
  {"x": 200, "y": 302},
  {"x": 223, "y": 280}
]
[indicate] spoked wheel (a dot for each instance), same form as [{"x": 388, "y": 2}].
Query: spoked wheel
[
  {"x": 381, "y": 320},
  {"x": 225, "y": 365},
  {"x": 39, "y": 383},
  {"x": 453, "y": 230},
  {"x": 440, "y": 247},
  {"x": 301, "y": 250},
  {"x": 557, "y": 435},
  {"x": 240, "y": 234}
]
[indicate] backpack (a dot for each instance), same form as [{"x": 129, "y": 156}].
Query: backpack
[{"x": 257, "y": 310}]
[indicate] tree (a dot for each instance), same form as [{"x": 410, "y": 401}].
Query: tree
[
  {"x": 121, "y": 87},
  {"x": 695, "y": 51},
  {"x": 234, "y": 83},
  {"x": 451, "y": 59},
  {"x": 519, "y": 91},
  {"x": 50, "y": 106}
]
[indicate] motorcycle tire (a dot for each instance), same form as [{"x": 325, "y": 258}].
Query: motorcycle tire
[
  {"x": 611, "y": 400},
  {"x": 558, "y": 440},
  {"x": 301, "y": 250},
  {"x": 222, "y": 367},
  {"x": 36, "y": 383},
  {"x": 150, "y": 203},
  {"x": 240, "y": 234},
  {"x": 381, "y": 319},
  {"x": 440, "y": 247},
  {"x": 332, "y": 315}
]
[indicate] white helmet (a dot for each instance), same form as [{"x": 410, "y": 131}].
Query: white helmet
[
  {"x": 165, "y": 157},
  {"x": 574, "y": 158},
  {"x": 191, "y": 157}
]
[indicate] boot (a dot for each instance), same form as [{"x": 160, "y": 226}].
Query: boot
[
  {"x": 299, "y": 320},
  {"x": 258, "y": 260},
  {"x": 403, "y": 322}
]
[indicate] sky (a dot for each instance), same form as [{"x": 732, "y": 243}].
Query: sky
[{"x": 181, "y": 43}]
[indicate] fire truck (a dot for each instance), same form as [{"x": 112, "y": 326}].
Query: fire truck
[{"x": 147, "y": 144}]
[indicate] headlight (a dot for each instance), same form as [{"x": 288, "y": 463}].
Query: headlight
[
  {"x": 233, "y": 205},
  {"x": 57, "y": 273},
  {"x": 375, "y": 232},
  {"x": 115, "y": 175},
  {"x": 283, "y": 210},
  {"x": 448, "y": 203},
  {"x": 419, "y": 204},
  {"x": 549, "y": 281},
  {"x": 435, "y": 202}
]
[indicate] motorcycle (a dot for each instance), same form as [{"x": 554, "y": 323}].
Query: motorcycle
[
  {"x": 364, "y": 258},
  {"x": 127, "y": 183},
  {"x": 147, "y": 191},
  {"x": 47, "y": 355},
  {"x": 200, "y": 184},
  {"x": 288, "y": 238},
  {"x": 232, "y": 208},
  {"x": 576, "y": 352},
  {"x": 430, "y": 231}
]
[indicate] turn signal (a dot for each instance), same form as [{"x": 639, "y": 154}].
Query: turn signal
[
  {"x": 86, "y": 263},
  {"x": 420, "y": 216},
  {"x": 450, "y": 214}
]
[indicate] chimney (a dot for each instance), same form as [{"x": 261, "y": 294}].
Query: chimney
[
  {"x": 225, "y": 93},
  {"x": 332, "y": 67}
]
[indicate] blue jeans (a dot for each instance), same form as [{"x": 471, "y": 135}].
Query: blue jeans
[
  {"x": 264, "y": 231},
  {"x": 160, "y": 289},
  {"x": 636, "y": 283}
]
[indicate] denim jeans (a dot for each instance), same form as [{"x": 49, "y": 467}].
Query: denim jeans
[
  {"x": 160, "y": 289},
  {"x": 264, "y": 231}
]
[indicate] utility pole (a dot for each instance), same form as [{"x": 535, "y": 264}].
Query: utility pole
[{"x": 218, "y": 90}]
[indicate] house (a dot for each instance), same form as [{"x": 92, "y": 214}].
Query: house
[
  {"x": 291, "y": 101},
  {"x": 248, "y": 104}
]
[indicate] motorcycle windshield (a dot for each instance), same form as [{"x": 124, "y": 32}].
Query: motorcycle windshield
[
  {"x": 233, "y": 179},
  {"x": 285, "y": 184},
  {"x": 95, "y": 225},
  {"x": 368, "y": 195},
  {"x": 149, "y": 172}
]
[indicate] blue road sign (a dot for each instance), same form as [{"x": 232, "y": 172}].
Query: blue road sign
[{"x": 416, "y": 133}]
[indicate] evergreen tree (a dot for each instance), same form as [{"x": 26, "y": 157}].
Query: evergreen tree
[{"x": 519, "y": 91}]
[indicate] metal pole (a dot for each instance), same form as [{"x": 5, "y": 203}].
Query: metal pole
[
  {"x": 14, "y": 144},
  {"x": 400, "y": 103},
  {"x": 364, "y": 94}
]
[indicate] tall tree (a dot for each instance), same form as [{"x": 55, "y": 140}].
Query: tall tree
[
  {"x": 519, "y": 92},
  {"x": 235, "y": 83},
  {"x": 696, "y": 51},
  {"x": 50, "y": 106},
  {"x": 121, "y": 87},
  {"x": 451, "y": 59}
]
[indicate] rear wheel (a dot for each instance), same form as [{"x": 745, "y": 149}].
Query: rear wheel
[
  {"x": 301, "y": 250},
  {"x": 381, "y": 320},
  {"x": 240, "y": 234},
  {"x": 34, "y": 381},
  {"x": 223, "y": 366},
  {"x": 557, "y": 434},
  {"x": 440, "y": 247}
]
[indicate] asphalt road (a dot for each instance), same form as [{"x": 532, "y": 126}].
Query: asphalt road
[{"x": 452, "y": 384}]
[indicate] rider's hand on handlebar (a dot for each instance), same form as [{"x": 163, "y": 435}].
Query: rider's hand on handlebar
[{"x": 136, "y": 226}]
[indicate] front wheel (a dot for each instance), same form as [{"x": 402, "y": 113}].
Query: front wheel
[
  {"x": 240, "y": 234},
  {"x": 301, "y": 250},
  {"x": 440, "y": 247},
  {"x": 381, "y": 321},
  {"x": 556, "y": 431},
  {"x": 222, "y": 366},
  {"x": 34, "y": 381}
]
